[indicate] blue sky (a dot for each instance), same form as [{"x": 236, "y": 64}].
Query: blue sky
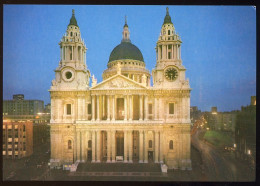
[{"x": 218, "y": 49}]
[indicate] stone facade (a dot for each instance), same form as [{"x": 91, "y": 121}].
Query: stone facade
[{"x": 122, "y": 118}]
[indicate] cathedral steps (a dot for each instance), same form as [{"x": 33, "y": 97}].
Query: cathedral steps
[{"x": 118, "y": 167}]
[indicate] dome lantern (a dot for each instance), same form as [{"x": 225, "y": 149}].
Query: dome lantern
[{"x": 126, "y": 33}]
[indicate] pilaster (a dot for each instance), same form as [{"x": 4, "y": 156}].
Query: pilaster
[
  {"x": 108, "y": 146},
  {"x": 141, "y": 142},
  {"x": 93, "y": 135},
  {"x": 125, "y": 146},
  {"x": 98, "y": 146},
  {"x": 113, "y": 145},
  {"x": 130, "y": 142},
  {"x": 145, "y": 146}
]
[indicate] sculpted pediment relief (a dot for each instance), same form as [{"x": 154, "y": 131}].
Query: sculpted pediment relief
[{"x": 118, "y": 82}]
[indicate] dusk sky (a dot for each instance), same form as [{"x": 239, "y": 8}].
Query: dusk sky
[{"x": 218, "y": 49}]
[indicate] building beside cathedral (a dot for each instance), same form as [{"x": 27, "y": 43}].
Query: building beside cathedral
[{"x": 122, "y": 118}]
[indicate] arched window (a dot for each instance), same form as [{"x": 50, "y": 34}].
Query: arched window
[
  {"x": 89, "y": 143},
  {"x": 71, "y": 34},
  {"x": 171, "y": 145},
  {"x": 150, "y": 144},
  {"x": 69, "y": 144},
  {"x": 169, "y": 32}
]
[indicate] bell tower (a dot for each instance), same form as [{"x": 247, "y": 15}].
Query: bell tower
[
  {"x": 169, "y": 71},
  {"x": 72, "y": 73}
]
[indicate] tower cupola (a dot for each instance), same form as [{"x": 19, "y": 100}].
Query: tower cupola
[{"x": 73, "y": 49}]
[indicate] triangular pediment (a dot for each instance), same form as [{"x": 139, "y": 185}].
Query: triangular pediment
[{"x": 118, "y": 82}]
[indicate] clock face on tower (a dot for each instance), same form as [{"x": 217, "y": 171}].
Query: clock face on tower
[{"x": 171, "y": 74}]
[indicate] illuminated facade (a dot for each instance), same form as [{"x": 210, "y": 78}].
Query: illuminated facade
[
  {"x": 122, "y": 118},
  {"x": 17, "y": 139}
]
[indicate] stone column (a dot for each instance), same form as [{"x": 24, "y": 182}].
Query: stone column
[
  {"x": 172, "y": 52},
  {"x": 188, "y": 106},
  {"x": 61, "y": 53},
  {"x": 146, "y": 107},
  {"x": 80, "y": 56},
  {"x": 98, "y": 108},
  {"x": 93, "y": 135},
  {"x": 155, "y": 108},
  {"x": 58, "y": 108},
  {"x": 116, "y": 117},
  {"x": 52, "y": 109},
  {"x": 156, "y": 147},
  {"x": 131, "y": 107},
  {"x": 72, "y": 55},
  {"x": 130, "y": 142},
  {"x": 165, "y": 51},
  {"x": 166, "y": 46},
  {"x": 103, "y": 106},
  {"x": 113, "y": 140},
  {"x": 140, "y": 107},
  {"x": 161, "y": 146},
  {"x": 160, "y": 109},
  {"x": 83, "y": 146},
  {"x": 84, "y": 109},
  {"x": 125, "y": 108},
  {"x": 113, "y": 108},
  {"x": 93, "y": 108},
  {"x": 145, "y": 146},
  {"x": 141, "y": 138},
  {"x": 78, "y": 145},
  {"x": 86, "y": 144},
  {"x": 79, "y": 109},
  {"x": 108, "y": 107},
  {"x": 108, "y": 146},
  {"x": 98, "y": 146},
  {"x": 125, "y": 146}
]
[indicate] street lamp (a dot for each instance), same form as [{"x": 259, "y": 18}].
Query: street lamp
[
  {"x": 235, "y": 145},
  {"x": 248, "y": 151}
]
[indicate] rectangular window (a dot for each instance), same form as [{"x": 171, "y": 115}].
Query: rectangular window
[
  {"x": 171, "y": 108},
  {"x": 89, "y": 108},
  {"x": 169, "y": 55},
  {"x": 150, "y": 109},
  {"x": 70, "y": 52},
  {"x": 68, "y": 109}
]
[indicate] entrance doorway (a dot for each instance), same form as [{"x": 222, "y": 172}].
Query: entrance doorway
[
  {"x": 89, "y": 155},
  {"x": 120, "y": 108},
  {"x": 119, "y": 143},
  {"x": 150, "y": 156}
]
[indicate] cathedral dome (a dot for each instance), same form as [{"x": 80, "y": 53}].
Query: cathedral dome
[{"x": 126, "y": 50}]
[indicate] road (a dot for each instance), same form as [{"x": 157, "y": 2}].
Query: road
[{"x": 217, "y": 164}]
